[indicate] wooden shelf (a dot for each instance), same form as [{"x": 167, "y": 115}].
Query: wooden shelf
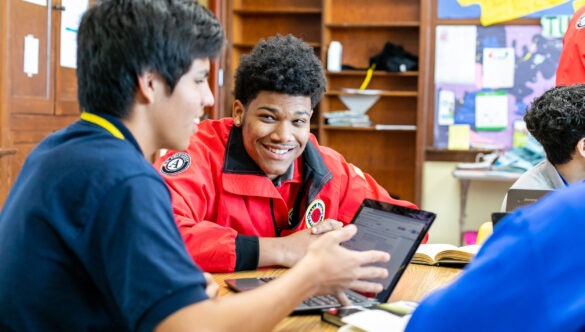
[
  {"x": 434, "y": 154},
  {"x": 251, "y": 45},
  {"x": 280, "y": 11},
  {"x": 382, "y": 93},
  {"x": 381, "y": 127},
  {"x": 375, "y": 73},
  {"x": 377, "y": 25}
]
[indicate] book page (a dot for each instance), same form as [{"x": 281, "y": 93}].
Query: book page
[
  {"x": 464, "y": 254},
  {"x": 427, "y": 252}
]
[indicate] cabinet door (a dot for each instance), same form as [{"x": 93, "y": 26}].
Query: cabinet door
[{"x": 39, "y": 96}]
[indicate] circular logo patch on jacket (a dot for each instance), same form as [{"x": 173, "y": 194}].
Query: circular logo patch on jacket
[
  {"x": 315, "y": 213},
  {"x": 176, "y": 163}
]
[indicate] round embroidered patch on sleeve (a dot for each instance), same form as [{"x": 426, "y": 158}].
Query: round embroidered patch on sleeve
[{"x": 176, "y": 164}]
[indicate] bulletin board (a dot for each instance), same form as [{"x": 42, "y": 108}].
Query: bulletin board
[{"x": 530, "y": 72}]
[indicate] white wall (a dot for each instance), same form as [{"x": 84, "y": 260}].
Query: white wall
[{"x": 440, "y": 194}]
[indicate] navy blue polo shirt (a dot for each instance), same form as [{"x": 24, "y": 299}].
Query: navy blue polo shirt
[{"x": 88, "y": 239}]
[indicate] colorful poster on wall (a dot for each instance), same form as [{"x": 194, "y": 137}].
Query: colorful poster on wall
[
  {"x": 498, "y": 11},
  {"x": 453, "y": 9}
]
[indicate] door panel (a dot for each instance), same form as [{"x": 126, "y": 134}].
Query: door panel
[
  {"x": 33, "y": 106},
  {"x": 29, "y": 94}
]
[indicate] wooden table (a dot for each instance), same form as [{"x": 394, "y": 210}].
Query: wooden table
[{"x": 416, "y": 282}]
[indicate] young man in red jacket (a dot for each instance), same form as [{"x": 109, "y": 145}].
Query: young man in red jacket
[{"x": 256, "y": 189}]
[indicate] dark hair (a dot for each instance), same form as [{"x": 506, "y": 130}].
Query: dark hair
[
  {"x": 557, "y": 120},
  {"x": 283, "y": 64},
  {"x": 120, "y": 39}
]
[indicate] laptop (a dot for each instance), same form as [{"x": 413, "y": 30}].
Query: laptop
[
  {"x": 497, "y": 216},
  {"x": 381, "y": 226},
  {"x": 520, "y": 197}
]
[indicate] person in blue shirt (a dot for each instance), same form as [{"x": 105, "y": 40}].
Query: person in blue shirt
[
  {"x": 87, "y": 235},
  {"x": 528, "y": 275}
]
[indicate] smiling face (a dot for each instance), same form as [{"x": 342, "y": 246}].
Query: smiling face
[
  {"x": 182, "y": 109},
  {"x": 275, "y": 129}
]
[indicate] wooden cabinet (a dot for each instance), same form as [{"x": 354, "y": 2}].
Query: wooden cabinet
[
  {"x": 393, "y": 155},
  {"x": 392, "y": 148},
  {"x": 36, "y": 104}
]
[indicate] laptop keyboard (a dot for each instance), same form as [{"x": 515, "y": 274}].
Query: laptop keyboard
[
  {"x": 329, "y": 300},
  {"x": 321, "y": 301}
]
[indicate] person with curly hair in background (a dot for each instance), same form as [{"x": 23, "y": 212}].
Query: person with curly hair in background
[
  {"x": 557, "y": 121},
  {"x": 256, "y": 189}
]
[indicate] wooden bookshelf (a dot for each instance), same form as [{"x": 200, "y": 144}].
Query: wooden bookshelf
[{"x": 392, "y": 148}]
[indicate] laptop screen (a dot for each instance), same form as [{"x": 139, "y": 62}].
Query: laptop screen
[
  {"x": 520, "y": 197},
  {"x": 393, "y": 229}
]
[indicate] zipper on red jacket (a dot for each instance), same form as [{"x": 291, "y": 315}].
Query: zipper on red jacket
[{"x": 276, "y": 229}]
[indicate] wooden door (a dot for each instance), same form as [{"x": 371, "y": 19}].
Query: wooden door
[{"x": 34, "y": 102}]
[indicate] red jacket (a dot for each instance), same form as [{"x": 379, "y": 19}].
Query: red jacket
[
  {"x": 223, "y": 202},
  {"x": 571, "y": 69}
]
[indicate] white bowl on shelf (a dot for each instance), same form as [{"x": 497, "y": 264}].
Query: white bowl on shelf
[{"x": 359, "y": 101}]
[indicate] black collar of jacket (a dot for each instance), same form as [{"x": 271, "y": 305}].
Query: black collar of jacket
[{"x": 315, "y": 172}]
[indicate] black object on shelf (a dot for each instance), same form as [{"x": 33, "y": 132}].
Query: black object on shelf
[{"x": 394, "y": 58}]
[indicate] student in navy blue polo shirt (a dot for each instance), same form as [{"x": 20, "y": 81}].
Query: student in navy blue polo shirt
[{"x": 87, "y": 236}]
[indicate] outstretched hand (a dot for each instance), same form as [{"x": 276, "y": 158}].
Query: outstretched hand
[
  {"x": 342, "y": 268},
  {"x": 287, "y": 251}
]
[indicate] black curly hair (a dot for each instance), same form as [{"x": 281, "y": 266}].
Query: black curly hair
[
  {"x": 557, "y": 120},
  {"x": 283, "y": 64},
  {"x": 120, "y": 39}
]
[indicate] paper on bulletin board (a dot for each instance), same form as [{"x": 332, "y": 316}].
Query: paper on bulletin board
[
  {"x": 498, "y": 67},
  {"x": 497, "y": 11},
  {"x": 458, "y": 137},
  {"x": 70, "y": 19},
  {"x": 455, "y": 54},
  {"x": 446, "y": 107},
  {"x": 520, "y": 134},
  {"x": 491, "y": 110}
]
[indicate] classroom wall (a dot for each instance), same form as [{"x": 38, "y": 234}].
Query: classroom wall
[{"x": 440, "y": 194}]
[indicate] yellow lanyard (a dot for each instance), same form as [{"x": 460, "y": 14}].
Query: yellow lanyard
[{"x": 107, "y": 125}]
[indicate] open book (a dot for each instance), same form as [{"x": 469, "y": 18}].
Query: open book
[{"x": 444, "y": 254}]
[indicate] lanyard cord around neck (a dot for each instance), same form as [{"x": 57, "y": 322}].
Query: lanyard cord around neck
[{"x": 99, "y": 121}]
